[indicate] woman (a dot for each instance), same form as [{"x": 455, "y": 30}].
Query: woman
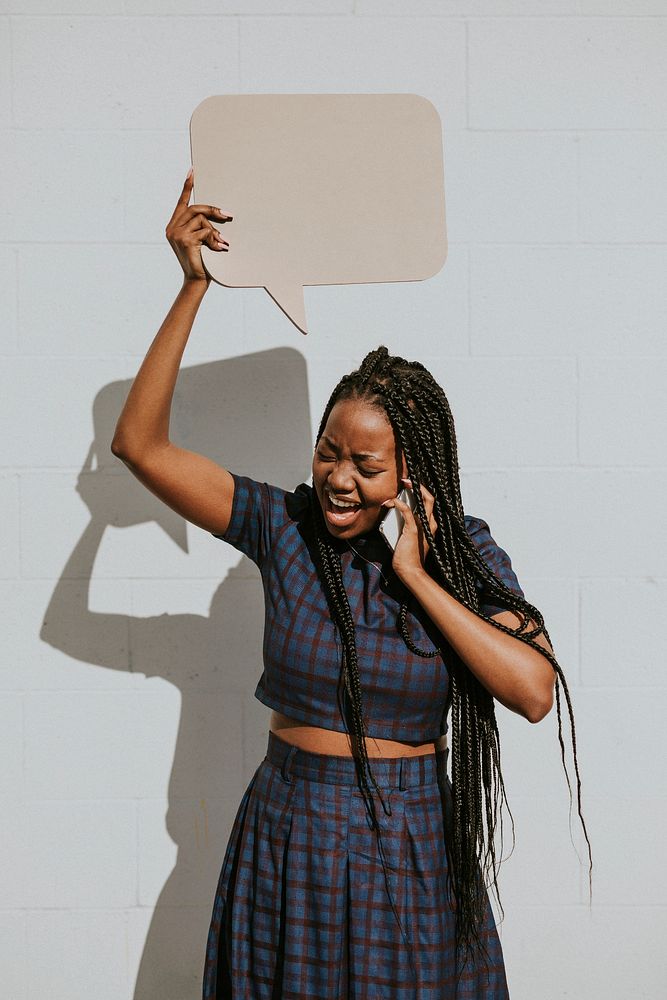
[{"x": 354, "y": 867}]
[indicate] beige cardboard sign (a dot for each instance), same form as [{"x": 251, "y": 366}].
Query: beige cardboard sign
[{"x": 324, "y": 189}]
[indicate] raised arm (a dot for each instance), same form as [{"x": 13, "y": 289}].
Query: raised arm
[{"x": 191, "y": 484}]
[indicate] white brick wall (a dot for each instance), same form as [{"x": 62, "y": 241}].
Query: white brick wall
[{"x": 546, "y": 327}]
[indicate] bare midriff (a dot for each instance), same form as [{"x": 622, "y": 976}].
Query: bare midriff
[{"x": 332, "y": 742}]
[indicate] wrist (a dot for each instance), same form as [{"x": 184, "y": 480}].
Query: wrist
[
  {"x": 199, "y": 284},
  {"x": 413, "y": 577}
]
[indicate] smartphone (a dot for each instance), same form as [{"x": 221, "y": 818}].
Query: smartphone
[{"x": 391, "y": 525}]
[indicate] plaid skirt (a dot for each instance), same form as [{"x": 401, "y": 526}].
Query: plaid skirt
[{"x": 305, "y": 909}]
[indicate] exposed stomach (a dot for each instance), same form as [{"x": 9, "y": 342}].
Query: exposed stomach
[{"x": 332, "y": 742}]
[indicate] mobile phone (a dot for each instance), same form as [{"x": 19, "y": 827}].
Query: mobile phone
[{"x": 391, "y": 525}]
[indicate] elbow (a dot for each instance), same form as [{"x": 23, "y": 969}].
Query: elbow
[
  {"x": 134, "y": 454},
  {"x": 122, "y": 451},
  {"x": 117, "y": 448},
  {"x": 539, "y": 707}
]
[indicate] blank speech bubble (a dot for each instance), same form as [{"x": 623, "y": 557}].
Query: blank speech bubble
[{"x": 325, "y": 189}]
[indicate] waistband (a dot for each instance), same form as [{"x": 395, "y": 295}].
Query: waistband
[{"x": 389, "y": 772}]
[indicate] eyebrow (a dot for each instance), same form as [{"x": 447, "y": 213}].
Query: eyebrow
[{"x": 357, "y": 456}]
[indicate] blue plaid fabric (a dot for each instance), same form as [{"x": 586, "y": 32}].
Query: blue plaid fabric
[
  {"x": 302, "y": 910},
  {"x": 404, "y": 695}
]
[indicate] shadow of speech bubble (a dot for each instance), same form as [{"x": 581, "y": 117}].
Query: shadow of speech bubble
[{"x": 324, "y": 189}]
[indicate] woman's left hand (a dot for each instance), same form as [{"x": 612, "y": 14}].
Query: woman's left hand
[{"x": 412, "y": 545}]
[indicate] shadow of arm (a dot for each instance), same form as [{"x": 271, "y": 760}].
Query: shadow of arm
[{"x": 69, "y": 625}]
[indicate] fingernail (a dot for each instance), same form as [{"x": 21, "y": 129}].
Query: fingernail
[{"x": 189, "y": 174}]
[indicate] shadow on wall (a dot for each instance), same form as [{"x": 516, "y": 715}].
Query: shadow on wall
[{"x": 250, "y": 414}]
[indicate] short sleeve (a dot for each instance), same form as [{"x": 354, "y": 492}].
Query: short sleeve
[
  {"x": 249, "y": 528},
  {"x": 497, "y": 560}
]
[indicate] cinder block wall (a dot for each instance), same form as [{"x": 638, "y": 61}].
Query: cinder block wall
[{"x": 132, "y": 642}]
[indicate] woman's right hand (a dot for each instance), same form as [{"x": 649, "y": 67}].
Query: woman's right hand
[{"x": 189, "y": 228}]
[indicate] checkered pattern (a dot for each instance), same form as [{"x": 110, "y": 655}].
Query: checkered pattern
[
  {"x": 404, "y": 694},
  {"x": 302, "y": 911}
]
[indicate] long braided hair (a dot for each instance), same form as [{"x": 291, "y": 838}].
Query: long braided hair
[{"x": 419, "y": 413}]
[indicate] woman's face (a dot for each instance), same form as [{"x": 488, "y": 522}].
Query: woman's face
[{"x": 356, "y": 467}]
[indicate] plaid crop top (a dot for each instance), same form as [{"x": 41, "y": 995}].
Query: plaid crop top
[{"x": 404, "y": 695}]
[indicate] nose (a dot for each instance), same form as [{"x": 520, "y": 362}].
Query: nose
[{"x": 340, "y": 478}]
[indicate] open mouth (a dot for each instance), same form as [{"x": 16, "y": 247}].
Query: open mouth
[{"x": 339, "y": 512}]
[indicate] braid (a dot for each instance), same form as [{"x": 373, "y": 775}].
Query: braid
[
  {"x": 330, "y": 569},
  {"x": 418, "y": 410}
]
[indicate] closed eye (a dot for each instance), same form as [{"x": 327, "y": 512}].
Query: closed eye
[{"x": 367, "y": 473}]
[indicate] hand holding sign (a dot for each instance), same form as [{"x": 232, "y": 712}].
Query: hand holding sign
[
  {"x": 190, "y": 228},
  {"x": 323, "y": 188}
]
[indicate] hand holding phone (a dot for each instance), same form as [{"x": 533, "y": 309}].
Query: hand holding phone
[{"x": 391, "y": 525}]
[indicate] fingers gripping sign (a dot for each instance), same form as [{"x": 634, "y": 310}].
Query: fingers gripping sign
[
  {"x": 190, "y": 227},
  {"x": 412, "y": 545}
]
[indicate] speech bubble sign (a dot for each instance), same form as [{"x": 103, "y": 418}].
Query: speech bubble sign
[{"x": 324, "y": 189}]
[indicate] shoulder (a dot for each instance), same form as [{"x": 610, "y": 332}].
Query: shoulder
[
  {"x": 262, "y": 515},
  {"x": 288, "y": 509},
  {"x": 291, "y": 503},
  {"x": 479, "y": 531},
  {"x": 496, "y": 557},
  {"x": 476, "y": 527}
]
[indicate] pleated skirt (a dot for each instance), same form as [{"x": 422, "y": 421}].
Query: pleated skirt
[{"x": 304, "y": 908}]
